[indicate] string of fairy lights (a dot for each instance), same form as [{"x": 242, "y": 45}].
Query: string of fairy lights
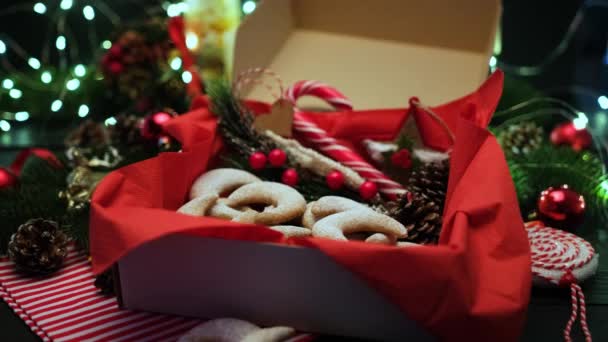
[
  {"x": 66, "y": 48},
  {"x": 66, "y": 76},
  {"x": 582, "y": 121},
  {"x": 46, "y": 78}
]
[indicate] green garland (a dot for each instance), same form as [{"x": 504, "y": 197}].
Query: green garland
[
  {"x": 36, "y": 195},
  {"x": 100, "y": 96},
  {"x": 553, "y": 166}
]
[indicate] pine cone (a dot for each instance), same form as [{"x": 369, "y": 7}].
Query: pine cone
[
  {"x": 431, "y": 182},
  {"x": 105, "y": 282},
  {"x": 88, "y": 134},
  {"x": 421, "y": 217},
  {"x": 38, "y": 247},
  {"x": 521, "y": 138},
  {"x": 126, "y": 131}
]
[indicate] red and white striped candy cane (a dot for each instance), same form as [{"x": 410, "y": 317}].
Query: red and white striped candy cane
[{"x": 319, "y": 138}]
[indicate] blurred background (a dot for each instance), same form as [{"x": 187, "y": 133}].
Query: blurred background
[
  {"x": 52, "y": 59},
  {"x": 52, "y": 53}
]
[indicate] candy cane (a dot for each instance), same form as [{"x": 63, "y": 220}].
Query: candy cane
[
  {"x": 330, "y": 146},
  {"x": 562, "y": 258}
]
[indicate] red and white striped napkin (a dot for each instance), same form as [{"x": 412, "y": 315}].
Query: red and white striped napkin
[{"x": 68, "y": 307}]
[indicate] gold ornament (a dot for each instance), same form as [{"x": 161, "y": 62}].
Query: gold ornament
[{"x": 80, "y": 185}]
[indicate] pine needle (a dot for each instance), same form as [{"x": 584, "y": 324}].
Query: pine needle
[{"x": 554, "y": 166}]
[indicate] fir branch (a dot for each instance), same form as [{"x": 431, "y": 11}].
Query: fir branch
[
  {"x": 75, "y": 223},
  {"x": 36, "y": 196},
  {"x": 235, "y": 121},
  {"x": 553, "y": 166},
  {"x": 237, "y": 129}
]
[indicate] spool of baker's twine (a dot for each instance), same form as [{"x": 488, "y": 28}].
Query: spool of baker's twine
[{"x": 563, "y": 259}]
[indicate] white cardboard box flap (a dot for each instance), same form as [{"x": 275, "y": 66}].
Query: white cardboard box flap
[{"x": 378, "y": 53}]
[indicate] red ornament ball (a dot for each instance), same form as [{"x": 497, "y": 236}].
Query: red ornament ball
[
  {"x": 568, "y": 134},
  {"x": 277, "y": 157},
  {"x": 257, "y": 160},
  {"x": 335, "y": 180},
  {"x": 7, "y": 179},
  {"x": 402, "y": 158},
  {"x": 152, "y": 127},
  {"x": 368, "y": 190},
  {"x": 290, "y": 177},
  {"x": 561, "y": 207}
]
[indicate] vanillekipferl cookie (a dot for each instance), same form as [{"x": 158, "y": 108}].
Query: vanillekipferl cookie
[{"x": 284, "y": 203}]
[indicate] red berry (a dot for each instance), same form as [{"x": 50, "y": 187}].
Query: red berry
[
  {"x": 105, "y": 60},
  {"x": 277, "y": 157},
  {"x": 335, "y": 180},
  {"x": 152, "y": 125},
  {"x": 568, "y": 133},
  {"x": 7, "y": 178},
  {"x": 368, "y": 190},
  {"x": 116, "y": 51},
  {"x": 115, "y": 68},
  {"x": 290, "y": 177},
  {"x": 257, "y": 160},
  {"x": 402, "y": 159}
]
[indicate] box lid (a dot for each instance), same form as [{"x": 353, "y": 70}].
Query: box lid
[{"x": 377, "y": 53}]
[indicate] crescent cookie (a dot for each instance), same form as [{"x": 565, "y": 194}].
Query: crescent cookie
[
  {"x": 283, "y": 202},
  {"x": 406, "y": 244},
  {"x": 273, "y": 334},
  {"x": 221, "y": 329},
  {"x": 352, "y": 221},
  {"x": 221, "y": 210},
  {"x": 382, "y": 239},
  {"x": 198, "y": 206},
  {"x": 308, "y": 219},
  {"x": 221, "y": 181},
  {"x": 292, "y": 231},
  {"x": 329, "y": 205}
]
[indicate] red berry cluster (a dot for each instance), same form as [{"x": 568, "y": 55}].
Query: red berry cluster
[
  {"x": 275, "y": 158},
  {"x": 112, "y": 61},
  {"x": 152, "y": 125},
  {"x": 402, "y": 159},
  {"x": 130, "y": 49},
  {"x": 569, "y": 134},
  {"x": 334, "y": 179}
]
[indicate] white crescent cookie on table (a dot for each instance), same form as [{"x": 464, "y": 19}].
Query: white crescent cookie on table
[{"x": 236, "y": 330}]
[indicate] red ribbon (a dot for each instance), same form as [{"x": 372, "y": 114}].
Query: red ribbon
[
  {"x": 42, "y": 153},
  {"x": 178, "y": 36}
]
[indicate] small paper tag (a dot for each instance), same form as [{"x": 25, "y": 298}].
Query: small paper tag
[
  {"x": 279, "y": 120},
  {"x": 410, "y": 130}
]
